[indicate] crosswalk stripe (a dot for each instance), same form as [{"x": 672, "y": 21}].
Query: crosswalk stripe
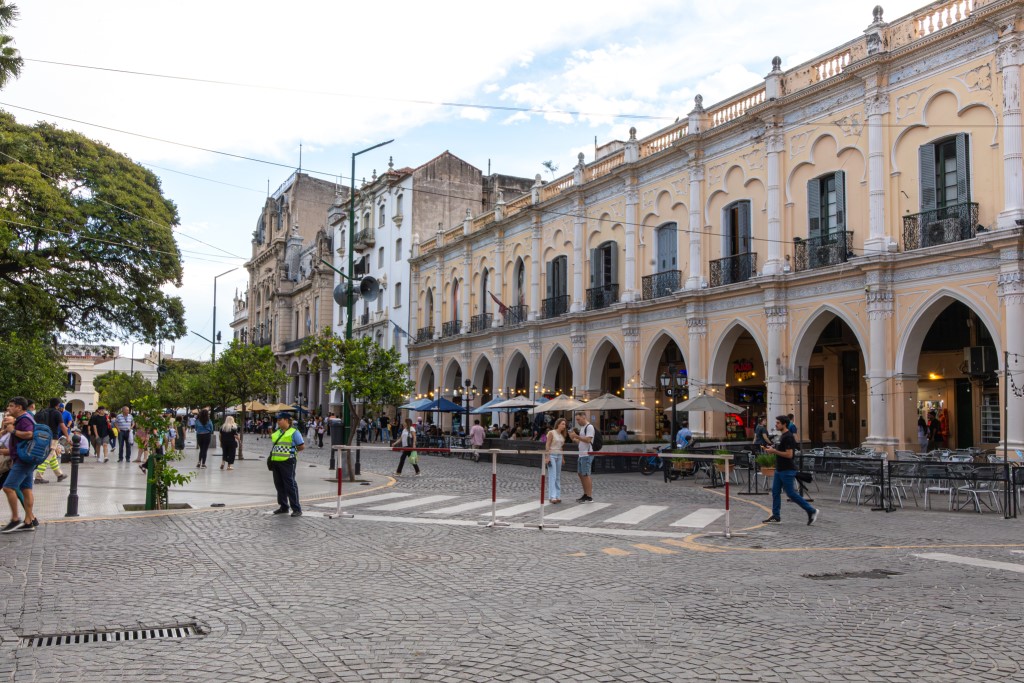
[
  {"x": 414, "y": 503},
  {"x": 972, "y": 561},
  {"x": 466, "y": 507},
  {"x": 636, "y": 515},
  {"x": 699, "y": 519},
  {"x": 350, "y": 502},
  {"x": 617, "y": 552},
  {"x": 516, "y": 509},
  {"x": 654, "y": 549},
  {"x": 577, "y": 511}
]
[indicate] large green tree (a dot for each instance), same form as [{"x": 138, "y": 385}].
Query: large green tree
[
  {"x": 10, "y": 58},
  {"x": 86, "y": 239},
  {"x": 182, "y": 385},
  {"x": 30, "y": 367},
  {"x": 118, "y": 389},
  {"x": 243, "y": 373}
]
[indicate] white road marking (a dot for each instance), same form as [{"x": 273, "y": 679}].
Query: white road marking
[
  {"x": 466, "y": 507},
  {"x": 628, "y": 533},
  {"x": 636, "y": 515},
  {"x": 516, "y": 509},
  {"x": 1017, "y": 552},
  {"x": 414, "y": 503},
  {"x": 972, "y": 561},
  {"x": 576, "y": 512},
  {"x": 377, "y": 498},
  {"x": 699, "y": 519}
]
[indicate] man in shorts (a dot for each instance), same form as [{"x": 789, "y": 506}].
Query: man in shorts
[
  {"x": 99, "y": 433},
  {"x": 53, "y": 418},
  {"x": 20, "y": 476},
  {"x": 584, "y": 437}
]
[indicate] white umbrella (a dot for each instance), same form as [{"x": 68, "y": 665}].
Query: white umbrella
[
  {"x": 706, "y": 403},
  {"x": 558, "y": 403},
  {"x": 612, "y": 402},
  {"x": 514, "y": 404}
]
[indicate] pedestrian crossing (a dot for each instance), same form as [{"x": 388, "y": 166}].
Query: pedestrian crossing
[{"x": 454, "y": 506}]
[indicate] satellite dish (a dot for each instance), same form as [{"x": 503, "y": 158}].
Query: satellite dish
[
  {"x": 341, "y": 294},
  {"x": 369, "y": 288}
]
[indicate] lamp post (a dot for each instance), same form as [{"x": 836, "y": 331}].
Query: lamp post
[
  {"x": 349, "y": 302},
  {"x": 671, "y": 382},
  {"x": 467, "y": 397},
  {"x": 213, "y": 343}
]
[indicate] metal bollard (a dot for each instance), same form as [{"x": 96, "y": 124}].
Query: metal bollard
[
  {"x": 359, "y": 442},
  {"x": 76, "y": 459}
]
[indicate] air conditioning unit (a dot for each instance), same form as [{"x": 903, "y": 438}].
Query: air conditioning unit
[
  {"x": 939, "y": 232},
  {"x": 980, "y": 360}
]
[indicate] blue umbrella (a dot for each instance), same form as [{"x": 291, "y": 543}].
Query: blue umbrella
[
  {"x": 441, "y": 405},
  {"x": 415, "y": 405},
  {"x": 484, "y": 408}
]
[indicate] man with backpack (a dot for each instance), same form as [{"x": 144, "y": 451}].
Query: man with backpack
[
  {"x": 53, "y": 418},
  {"x": 587, "y": 439},
  {"x": 21, "y": 473}
]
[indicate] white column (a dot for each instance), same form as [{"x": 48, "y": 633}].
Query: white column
[
  {"x": 534, "y": 361},
  {"x": 414, "y": 302},
  {"x": 467, "y": 287},
  {"x": 775, "y": 145},
  {"x": 579, "y": 347},
  {"x": 578, "y": 251},
  {"x": 778, "y": 318},
  {"x": 696, "y": 370},
  {"x": 629, "y": 292},
  {"x": 880, "y": 310},
  {"x": 630, "y": 350},
  {"x": 439, "y": 298},
  {"x": 1011, "y": 56},
  {"x": 877, "y": 242},
  {"x": 499, "y": 269},
  {"x": 535, "y": 270},
  {"x": 696, "y": 266},
  {"x": 1011, "y": 295}
]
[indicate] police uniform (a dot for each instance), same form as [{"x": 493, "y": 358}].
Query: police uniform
[{"x": 282, "y": 464}]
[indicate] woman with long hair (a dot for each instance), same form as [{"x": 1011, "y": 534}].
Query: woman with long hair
[
  {"x": 554, "y": 442},
  {"x": 204, "y": 434},
  {"x": 229, "y": 442}
]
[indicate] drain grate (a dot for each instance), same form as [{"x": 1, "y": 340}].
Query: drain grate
[
  {"x": 88, "y": 637},
  {"x": 869, "y": 574}
]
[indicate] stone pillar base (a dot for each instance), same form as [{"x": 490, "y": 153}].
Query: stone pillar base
[
  {"x": 692, "y": 283},
  {"x": 773, "y": 267},
  {"x": 879, "y": 245},
  {"x": 1008, "y": 219},
  {"x": 889, "y": 444},
  {"x": 629, "y": 296}
]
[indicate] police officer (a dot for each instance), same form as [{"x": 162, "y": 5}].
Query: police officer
[{"x": 287, "y": 443}]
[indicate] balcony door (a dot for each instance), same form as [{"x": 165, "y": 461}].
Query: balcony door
[
  {"x": 666, "y": 244},
  {"x": 558, "y": 272},
  {"x": 826, "y": 205},
  {"x": 604, "y": 265},
  {"x": 737, "y": 229}
]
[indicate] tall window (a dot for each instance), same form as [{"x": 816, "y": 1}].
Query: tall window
[
  {"x": 667, "y": 254},
  {"x": 945, "y": 172},
  {"x": 398, "y": 205},
  {"x": 398, "y": 295},
  {"x": 737, "y": 229},
  {"x": 455, "y": 300},
  {"x": 382, "y": 217},
  {"x": 296, "y": 336},
  {"x": 428, "y": 309},
  {"x": 520, "y": 274},
  {"x": 316, "y": 312},
  {"x": 485, "y": 279},
  {"x": 366, "y": 221},
  {"x": 557, "y": 277},
  {"x": 398, "y": 249},
  {"x": 826, "y": 205},
  {"x": 380, "y": 257},
  {"x": 604, "y": 265}
]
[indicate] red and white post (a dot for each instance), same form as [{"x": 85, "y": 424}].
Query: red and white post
[
  {"x": 728, "y": 532},
  {"x": 494, "y": 493},
  {"x": 338, "y": 514}
]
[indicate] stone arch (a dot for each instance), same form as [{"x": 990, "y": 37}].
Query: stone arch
[
  {"x": 649, "y": 365},
  {"x": 483, "y": 364},
  {"x": 908, "y": 353},
  {"x": 812, "y": 161},
  {"x": 551, "y": 364},
  {"x": 516, "y": 361},
  {"x": 723, "y": 347},
  {"x": 452, "y": 371},
  {"x": 597, "y": 361},
  {"x": 427, "y": 379},
  {"x": 807, "y": 337}
]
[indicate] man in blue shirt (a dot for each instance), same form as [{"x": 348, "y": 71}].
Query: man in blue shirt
[
  {"x": 66, "y": 415},
  {"x": 684, "y": 437},
  {"x": 287, "y": 442}
]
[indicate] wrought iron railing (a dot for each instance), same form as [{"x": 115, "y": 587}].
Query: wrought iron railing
[
  {"x": 660, "y": 284},
  {"x": 818, "y": 252},
  {"x": 293, "y": 344},
  {"x": 479, "y": 323},
  {"x": 554, "y": 306},
  {"x": 602, "y": 297},
  {"x": 261, "y": 341},
  {"x": 733, "y": 269},
  {"x": 451, "y": 328},
  {"x": 363, "y": 319},
  {"x": 424, "y": 334},
  {"x": 947, "y": 225},
  {"x": 516, "y": 315},
  {"x": 365, "y": 237}
]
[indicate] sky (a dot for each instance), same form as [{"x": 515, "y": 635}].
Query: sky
[{"x": 339, "y": 77}]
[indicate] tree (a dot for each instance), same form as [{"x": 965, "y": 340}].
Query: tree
[
  {"x": 243, "y": 373},
  {"x": 551, "y": 166},
  {"x": 179, "y": 387},
  {"x": 10, "y": 58},
  {"x": 86, "y": 239},
  {"x": 30, "y": 367},
  {"x": 118, "y": 389}
]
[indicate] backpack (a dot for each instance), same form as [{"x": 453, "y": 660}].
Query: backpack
[
  {"x": 598, "y": 442},
  {"x": 37, "y": 449}
]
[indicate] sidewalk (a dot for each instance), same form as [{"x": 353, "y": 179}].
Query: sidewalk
[{"x": 104, "y": 489}]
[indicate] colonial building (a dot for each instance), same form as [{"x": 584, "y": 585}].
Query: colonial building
[
  {"x": 86, "y": 362},
  {"x": 842, "y": 241},
  {"x": 289, "y": 293}
]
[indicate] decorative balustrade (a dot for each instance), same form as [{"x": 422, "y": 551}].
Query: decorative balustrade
[
  {"x": 664, "y": 140},
  {"x": 606, "y": 165},
  {"x": 947, "y": 225},
  {"x": 516, "y": 205},
  {"x": 424, "y": 334},
  {"x": 736, "y": 107},
  {"x": 516, "y": 315},
  {"x": 451, "y": 328},
  {"x": 365, "y": 238},
  {"x": 480, "y": 323},
  {"x": 555, "y": 306},
  {"x": 733, "y": 269},
  {"x": 943, "y": 16},
  {"x": 261, "y": 341},
  {"x": 661, "y": 284},
  {"x": 831, "y": 66},
  {"x": 602, "y": 297},
  {"x": 818, "y": 252},
  {"x": 556, "y": 187},
  {"x": 483, "y": 220}
]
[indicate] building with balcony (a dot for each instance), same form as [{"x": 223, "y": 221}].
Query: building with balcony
[
  {"x": 841, "y": 241},
  {"x": 289, "y": 291},
  {"x": 85, "y": 362}
]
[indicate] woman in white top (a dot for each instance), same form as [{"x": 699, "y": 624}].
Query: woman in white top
[
  {"x": 555, "y": 440},
  {"x": 407, "y": 441}
]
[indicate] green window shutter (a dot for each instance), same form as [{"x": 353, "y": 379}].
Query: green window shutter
[
  {"x": 813, "y": 208},
  {"x": 551, "y": 279},
  {"x": 743, "y": 229},
  {"x": 613, "y": 251},
  {"x": 840, "y": 201},
  {"x": 926, "y": 169},
  {"x": 595, "y": 266},
  {"x": 963, "y": 169}
]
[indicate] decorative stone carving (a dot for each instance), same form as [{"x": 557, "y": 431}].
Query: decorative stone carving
[
  {"x": 754, "y": 159},
  {"x": 1011, "y": 288},
  {"x": 648, "y": 199},
  {"x": 976, "y": 79},
  {"x": 698, "y": 326},
  {"x": 681, "y": 187},
  {"x": 879, "y": 303},
  {"x": 850, "y": 125},
  {"x": 632, "y": 196},
  {"x": 776, "y": 316},
  {"x": 877, "y": 105},
  {"x": 715, "y": 174},
  {"x": 1009, "y": 54},
  {"x": 535, "y": 348},
  {"x": 579, "y": 341},
  {"x": 798, "y": 143},
  {"x": 906, "y": 105}
]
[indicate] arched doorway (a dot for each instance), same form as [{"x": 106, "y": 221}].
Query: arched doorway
[
  {"x": 558, "y": 373},
  {"x": 607, "y": 377},
  {"x": 483, "y": 379},
  {"x": 666, "y": 381},
  {"x": 738, "y": 376}
]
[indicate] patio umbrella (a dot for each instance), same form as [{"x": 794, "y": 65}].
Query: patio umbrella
[
  {"x": 612, "y": 402},
  {"x": 517, "y": 403},
  {"x": 487, "y": 407},
  {"x": 559, "y": 403},
  {"x": 707, "y": 404},
  {"x": 415, "y": 405},
  {"x": 279, "y": 408},
  {"x": 441, "y": 405}
]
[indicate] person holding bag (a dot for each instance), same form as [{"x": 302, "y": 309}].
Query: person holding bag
[
  {"x": 228, "y": 442},
  {"x": 407, "y": 441}
]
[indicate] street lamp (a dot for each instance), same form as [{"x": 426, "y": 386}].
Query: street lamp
[
  {"x": 467, "y": 397},
  {"x": 215, "y": 340},
  {"x": 671, "y": 382}
]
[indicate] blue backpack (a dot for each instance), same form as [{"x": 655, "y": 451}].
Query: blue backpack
[{"x": 37, "y": 449}]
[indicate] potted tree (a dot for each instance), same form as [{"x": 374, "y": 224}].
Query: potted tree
[{"x": 766, "y": 461}]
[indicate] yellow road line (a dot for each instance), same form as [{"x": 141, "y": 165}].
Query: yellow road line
[
  {"x": 616, "y": 552},
  {"x": 654, "y": 549},
  {"x": 690, "y": 544}
]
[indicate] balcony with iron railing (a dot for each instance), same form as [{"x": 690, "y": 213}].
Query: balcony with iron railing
[
  {"x": 424, "y": 334},
  {"x": 602, "y": 297},
  {"x": 365, "y": 238},
  {"x": 516, "y": 315},
  {"x": 661, "y": 284},
  {"x": 363, "y": 319},
  {"x": 480, "y": 323},
  {"x": 954, "y": 223},
  {"x": 261, "y": 341},
  {"x": 733, "y": 269},
  {"x": 826, "y": 250},
  {"x": 554, "y": 306},
  {"x": 451, "y": 328},
  {"x": 293, "y": 344}
]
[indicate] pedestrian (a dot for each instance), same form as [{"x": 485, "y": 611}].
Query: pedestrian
[
  {"x": 684, "y": 437},
  {"x": 761, "y": 438},
  {"x": 283, "y": 457},
  {"x": 934, "y": 431},
  {"x": 143, "y": 440},
  {"x": 320, "y": 429},
  {"x": 228, "y": 442},
  {"x": 785, "y": 474},
  {"x": 922, "y": 433},
  {"x": 476, "y": 438},
  {"x": 99, "y": 434},
  {"x": 407, "y": 441},
  {"x": 5, "y": 456},
  {"x": 53, "y": 418},
  {"x": 124, "y": 423},
  {"x": 19, "y": 477},
  {"x": 554, "y": 444},
  {"x": 66, "y": 415},
  {"x": 191, "y": 424},
  {"x": 204, "y": 434},
  {"x": 385, "y": 428},
  {"x": 792, "y": 425},
  {"x": 583, "y": 436}
]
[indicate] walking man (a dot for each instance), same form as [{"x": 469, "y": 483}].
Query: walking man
[
  {"x": 785, "y": 474},
  {"x": 99, "y": 433},
  {"x": 53, "y": 418},
  {"x": 19, "y": 477},
  {"x": 283, "y": 456},
  {"x": 125, "y": 425},
  {"x": 476, "y": 438},
  {"x": 583, "y": 436}
]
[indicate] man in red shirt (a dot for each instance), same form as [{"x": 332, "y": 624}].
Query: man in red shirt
[{"x": 21, "y": 474}]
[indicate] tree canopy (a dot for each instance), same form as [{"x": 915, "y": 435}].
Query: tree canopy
[
  {"x": 10, "y": 58},
  {"x": 86, "y": 238},
  {"x": 30, "y": 367},
  {"x": 118, "y": 389},
  {"x": 245, "y": 372},
  {"x": 365, "y": 370}
]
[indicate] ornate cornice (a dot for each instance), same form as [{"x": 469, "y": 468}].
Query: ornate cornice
[
  {"x": 879, "y": 303},
  {"x": 777, "y": 316}
]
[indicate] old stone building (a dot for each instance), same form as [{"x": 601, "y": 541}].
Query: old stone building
[
  {"x": 289, "y": 292},
  {"x": 842, "y": 241}
]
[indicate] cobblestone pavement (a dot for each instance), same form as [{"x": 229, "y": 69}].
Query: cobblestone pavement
[{"x": 404, "y": 594}]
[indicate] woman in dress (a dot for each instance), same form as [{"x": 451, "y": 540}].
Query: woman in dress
[
  {"x": 554, "y": 443},
  {"x": 204, "y": 434},
  {"x": 229, "y": 442}
]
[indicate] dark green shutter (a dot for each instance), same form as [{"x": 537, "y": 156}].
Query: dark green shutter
[
  {"x": 840, "y": 201},
  {"x": 613, "y": 250},
  {"x": 595, "y": 265},
  {"x": 813, "y": 208},
  {"x": 963, "y": 169},
  {"x": 926, "y": 169},
  {"x": 744, "y": 227},
  {"x": 551, "y": 279}
]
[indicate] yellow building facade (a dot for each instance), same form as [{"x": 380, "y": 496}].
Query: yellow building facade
[{"x": 842, "y": 242}]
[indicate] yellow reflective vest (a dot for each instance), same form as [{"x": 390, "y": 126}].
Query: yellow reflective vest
[{"x": 283, "y": 448}]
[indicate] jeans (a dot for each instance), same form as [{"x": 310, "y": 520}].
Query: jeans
[
  {"x": 554, "y": 474},
  {"x": 784, "y": 479},
  {"x": 287, "y": 487},
  {"x": 124, "y": 446}
]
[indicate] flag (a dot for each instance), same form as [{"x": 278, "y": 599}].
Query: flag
[
  {"x": 502, "y": 308},
  {"x": 398, "y": 327}
]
